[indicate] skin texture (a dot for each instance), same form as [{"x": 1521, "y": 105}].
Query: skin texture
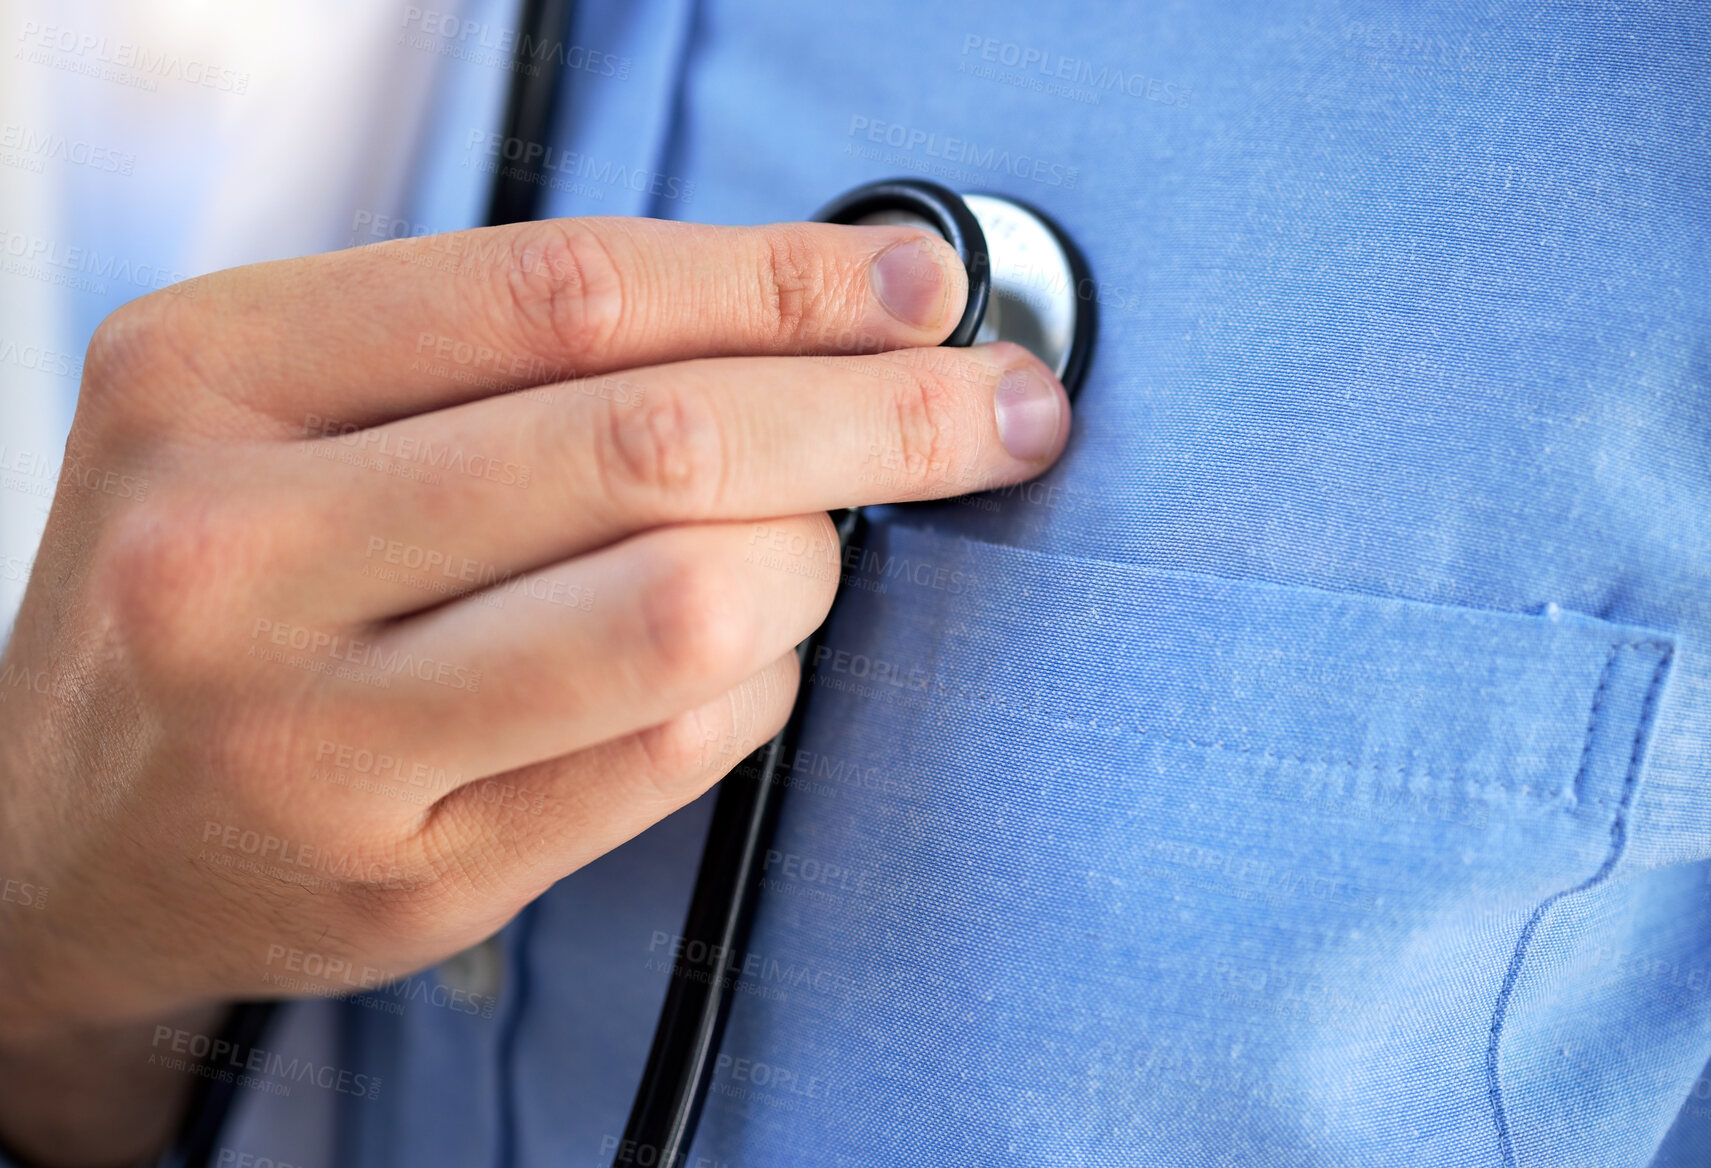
[{"x": 307, "y": 523}]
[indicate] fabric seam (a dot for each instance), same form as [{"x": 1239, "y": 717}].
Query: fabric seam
[
  {"x": 1401, "y": 769},
  {"x": 1446, "y": 609},
  {"x": 1618, "y": 843}
]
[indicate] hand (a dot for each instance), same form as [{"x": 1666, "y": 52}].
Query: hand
[{"x": 383, "y": 589}]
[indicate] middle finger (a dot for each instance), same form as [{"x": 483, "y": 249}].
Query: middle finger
[{"x": 472, "y": 495}]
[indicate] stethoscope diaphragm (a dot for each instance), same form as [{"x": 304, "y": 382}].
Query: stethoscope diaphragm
[{"x": 1027, "y": 283}]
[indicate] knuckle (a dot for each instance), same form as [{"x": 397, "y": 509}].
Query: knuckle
[
  {"x": 665, "y": 451},
  {"x": 792, "y": 274},
  {"x": 449, "y": 868},
  {"x": 926, "y": 433},
  {"x": 120, "y": 340},
  {"x": 168, "y": 575},
  {"x": 692, "y": 630},
  {"x": 244, "y": 744},
  {"x": 566, "y": 288},
  {"x": 679, "y": 752},
  {"x": 130, "y": 350},
  {"x": 686, "y": 753}
]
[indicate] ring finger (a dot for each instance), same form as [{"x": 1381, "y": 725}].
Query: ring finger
[{"x": 641, "y": 632}]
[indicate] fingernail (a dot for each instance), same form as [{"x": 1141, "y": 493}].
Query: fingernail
[
  {"x": 910, "y": 282},
  {"x": 1029, "y": 414}
]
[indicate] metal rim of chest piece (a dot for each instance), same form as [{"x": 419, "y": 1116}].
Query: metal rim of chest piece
[{"x": 1027, "y": 282}]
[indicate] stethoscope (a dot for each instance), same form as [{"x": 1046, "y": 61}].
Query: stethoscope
[{"x": 1027, "y": 283}]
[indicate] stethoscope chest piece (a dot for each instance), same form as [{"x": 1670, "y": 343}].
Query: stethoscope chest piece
[{"x": 1027, "y": 283}]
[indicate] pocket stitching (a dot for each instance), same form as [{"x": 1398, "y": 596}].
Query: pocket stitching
[
  {"x": 1418, "y": 609},
  {"x": 1427, "y": 772},
  {"x": 1618, "y": 842}
]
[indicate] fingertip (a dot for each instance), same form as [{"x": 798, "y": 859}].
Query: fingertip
[
  {"x": 750, "y": 715},
  {"x": 775, "y": 688},
  {"x": 1030, "y": 411},
  {"x": 1030, "y": 407},
  {"x": 919, "y": 282}
]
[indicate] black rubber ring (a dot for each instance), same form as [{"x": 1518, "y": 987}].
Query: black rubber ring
[{"x": 945, "y": 210}]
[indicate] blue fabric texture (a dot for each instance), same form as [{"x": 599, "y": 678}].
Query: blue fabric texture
[
  {"x": 1253, "y": 907},
  {"x": 1313, "y": 768}
]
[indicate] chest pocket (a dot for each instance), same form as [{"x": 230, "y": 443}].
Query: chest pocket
[{"x": 1089, "y": 863}]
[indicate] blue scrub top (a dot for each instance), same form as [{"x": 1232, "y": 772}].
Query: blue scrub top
[{"x": 1314, "y": 768}]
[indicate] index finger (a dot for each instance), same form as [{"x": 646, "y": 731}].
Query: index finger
[{"x": 394, "y": 329}]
